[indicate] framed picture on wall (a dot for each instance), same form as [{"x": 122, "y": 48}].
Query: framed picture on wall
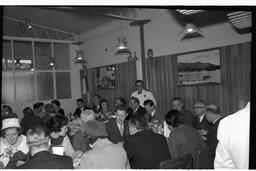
[
  {"x": 199, "y": 68},
  {"x": 105, "y": 77}
]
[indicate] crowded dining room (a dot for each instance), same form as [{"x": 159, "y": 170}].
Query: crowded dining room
[{"x": 126, "y": 87}]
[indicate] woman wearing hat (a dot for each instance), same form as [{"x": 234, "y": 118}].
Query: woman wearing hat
[{"x": 13, "y": 145}]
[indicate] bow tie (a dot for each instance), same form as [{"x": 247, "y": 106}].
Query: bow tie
[{"x": 139, "y": 92}]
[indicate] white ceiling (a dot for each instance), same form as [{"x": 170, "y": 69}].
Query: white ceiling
[
  {"x": 76, "y": 19},
  {"x": 73, "y": 22}
]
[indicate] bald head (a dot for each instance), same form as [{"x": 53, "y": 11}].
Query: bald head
[{"x": 212, "y": 112}]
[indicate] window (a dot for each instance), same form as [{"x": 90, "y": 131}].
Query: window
[{"x": 27, "y": 75}]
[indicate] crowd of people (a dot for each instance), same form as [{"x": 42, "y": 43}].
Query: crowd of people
[{"x": 132, "y": 135}]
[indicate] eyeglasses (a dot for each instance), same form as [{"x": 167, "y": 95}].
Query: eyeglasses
[{"x": 197, "y": 107}]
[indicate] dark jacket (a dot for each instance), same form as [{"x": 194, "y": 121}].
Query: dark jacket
[
  {"x": 204, "y": 124},
  {"x": 139, "y": 111},
  {"x": 187, "y": 116},
  {"x": 211, "y": 137},
  {"x": 45, "y": 160},
  {"x": 29, "y": 121},
  {"x": 146, "y": 149},
  {"x": 113, "y": 132}
]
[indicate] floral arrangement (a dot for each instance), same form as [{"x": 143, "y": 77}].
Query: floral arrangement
[{"x": 9, "y": 152}]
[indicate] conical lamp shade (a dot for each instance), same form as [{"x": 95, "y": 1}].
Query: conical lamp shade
[
  {"x": 122, "y": 46},
  {"x": 80, "y": 57},
  {"x": 190, "y": 31}
]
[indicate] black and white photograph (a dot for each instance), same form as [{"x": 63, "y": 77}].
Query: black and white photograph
[{"x": 126, "y": 85}]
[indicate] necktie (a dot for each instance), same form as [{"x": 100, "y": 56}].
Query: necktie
[{"x": 121, "y": 129}]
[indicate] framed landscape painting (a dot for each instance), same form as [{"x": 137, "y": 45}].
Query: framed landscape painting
[
  {"x": 105, "y": 77},
  {"x": 199, "y": 68}
]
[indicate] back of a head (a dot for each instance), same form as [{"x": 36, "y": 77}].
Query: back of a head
[
  {"x": 213, "y": 109},
  {"x": 27, "y": 111},
  {"x": 174, "y": 118},
  {"x": 49, "y": 108},
  {"x": 56, "y": 102},
  {"x": 56, "y": 123},
  {"x": 139, "y": 122},
  {"x": 37, "y": 137}
]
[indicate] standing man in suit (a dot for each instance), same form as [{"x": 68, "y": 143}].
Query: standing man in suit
[
  {"x": 200, "y": 122},
  {"x": 135, "y": 108},
  {"x": 144, "y": 148},
  {"x": 118, "y": 128},
  {"x": 212, "y": 113},
  {"x": 142, "y": 94},
  {"x": 38, "y": 142},
  {"x": 177, "y": 104}
]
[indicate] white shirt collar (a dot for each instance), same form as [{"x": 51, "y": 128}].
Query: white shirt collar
[
  {"x": 201, "y": 117},
  {"x": 153, "y": 113}
]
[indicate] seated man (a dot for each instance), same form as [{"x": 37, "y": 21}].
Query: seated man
[
  {"x": 200, "y": 122},
  {"x": 135, "y": 108},
  {"x": 104, "y": 154},
  {"x": 145, "y": 149},
  {"x": 177, "y": 104},
  {"x": 80, "y": 107},
  {"x": 118, "y": 129},
  {"x": 38, "y": 143}
]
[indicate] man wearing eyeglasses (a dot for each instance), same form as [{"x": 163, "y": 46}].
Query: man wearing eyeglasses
[
  {"x": 142, "y": 94},
  {"x": 200, "y": 121}
]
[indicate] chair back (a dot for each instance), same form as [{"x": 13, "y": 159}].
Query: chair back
[
  {"x": 204, "y": 159},
  {"x": 184, "y": 162}
]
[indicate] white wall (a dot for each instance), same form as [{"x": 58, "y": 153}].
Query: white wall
[{"x": 160, "y": 35}]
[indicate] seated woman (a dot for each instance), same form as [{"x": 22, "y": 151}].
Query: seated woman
[
  {"x": 80, "y": 141},
  {"x": 13, "y": 145},
  {"x": 105, "y": 112},
  {"x": 58, "y": 134},
  {"x": 183, "y": 138}
]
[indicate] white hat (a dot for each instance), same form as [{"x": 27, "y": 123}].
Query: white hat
[{"x": 10, "y": 122}]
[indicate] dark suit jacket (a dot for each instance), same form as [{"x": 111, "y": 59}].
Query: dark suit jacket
[
  {"x": 139, "y": 111},
  {"x": 211, "y": 137},
  {"x": 146, "y": 149},
  {"x": 188, "y": 116},
  {"x": 45, "y": 160},
  {"x": 201, "y": 125},
  {"x": 113, "y": 131},
  {"x": 157, "y": 116}
]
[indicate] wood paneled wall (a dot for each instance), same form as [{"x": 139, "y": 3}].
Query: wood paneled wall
[
  {"x": 125, "y": 79},
  {"x": 161, "y": 81},
  {"x": 235, "y": 75}
]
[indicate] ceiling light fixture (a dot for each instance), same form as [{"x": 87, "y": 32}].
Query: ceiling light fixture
[
  {"x": 80, "y": 57},
  {"x": 24, "y": 27},
  {"x": 122, "y": 47},
  {"x": 52, "y": 62},
  {"x": 190, "y": 31}
]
